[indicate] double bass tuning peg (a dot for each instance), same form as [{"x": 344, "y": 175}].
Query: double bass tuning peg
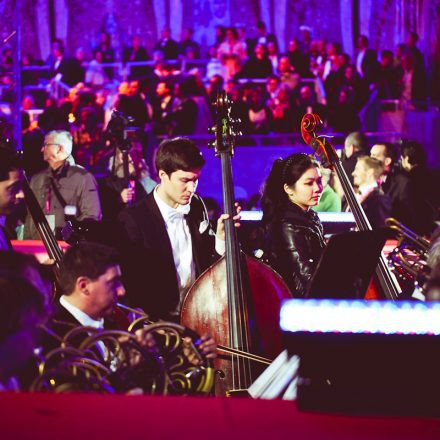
[{"x": 212, "y": 129}]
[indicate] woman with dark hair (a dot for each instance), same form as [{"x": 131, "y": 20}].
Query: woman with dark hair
[{"x": 294, "y": 234}]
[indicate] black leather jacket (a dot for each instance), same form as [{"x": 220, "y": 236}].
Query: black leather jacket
[{"x": 294, "y": 244}]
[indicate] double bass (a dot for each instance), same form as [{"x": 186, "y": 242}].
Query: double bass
[
  {"x": 388, "y": 285},
  {"x": 237, "y": 300}
]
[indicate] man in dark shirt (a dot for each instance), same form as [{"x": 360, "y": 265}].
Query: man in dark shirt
[
  {"x": 395, "y": 184},
  {"x": 63, "y": 185}
]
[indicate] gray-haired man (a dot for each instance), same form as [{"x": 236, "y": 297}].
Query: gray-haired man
[{"x": 63, "y": 184}]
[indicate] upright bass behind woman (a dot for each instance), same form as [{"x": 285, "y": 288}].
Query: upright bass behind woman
[{"x": 294, "y": 233}]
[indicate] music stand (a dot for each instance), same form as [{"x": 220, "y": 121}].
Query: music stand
[{"x": 346, "y": 265}]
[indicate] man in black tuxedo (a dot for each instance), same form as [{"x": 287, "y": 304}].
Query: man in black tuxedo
[
  {"x": 376, "y": 204},
  {"x": 167, "y": 239},
  {"x": 396, "y": 184},
  {"x": 10, "y": 188}
]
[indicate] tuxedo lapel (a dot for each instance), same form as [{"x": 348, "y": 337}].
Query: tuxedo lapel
[{"x": 157, "y": 234}]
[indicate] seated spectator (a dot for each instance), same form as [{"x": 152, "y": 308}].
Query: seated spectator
[
  {"x": 359, "y": 87},
  {"x": 273, "y": 55},
  {"x": 287, "y": 73},
  {"x": 214, "y": 87},
  {"x": 283, "y": 115},
  {"x": 272, "y": 86},
  {"x": 167, "y": 45},
  {"x": 298, "y": 59},
  {"x": 259, "y": 113},
  {"x": 258, "y": 65},
  {"x": 343, "y": 116},
  {"x": 307, "y": 103},
  {"x": 187, "y": 42},
  {"x": 375, "y": 203},
  {"x": 214, "y": 66},
  {"x": 183, "y": 115},
  {"x": 333, "y": 50},
  {"x": 137, "y": 53},
  {"x": 87, "y": 139},
  {"x": 263, "y": 37},
  {"x": 108, "y": 53},
  {"x": 240, "y": 109},
  {"x": 232, "y": 53},
  {"x": 95, "y": 74}
]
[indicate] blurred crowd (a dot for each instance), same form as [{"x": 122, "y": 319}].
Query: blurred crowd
[{"x": 169, "y": 89}]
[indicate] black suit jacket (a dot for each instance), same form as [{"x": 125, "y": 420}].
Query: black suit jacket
[
  {"x": 61, "y": 322},
  {"x": 148, "y": 266},
  {"x": 398, "y": 188},
  {"x": 377, "y": 207}
]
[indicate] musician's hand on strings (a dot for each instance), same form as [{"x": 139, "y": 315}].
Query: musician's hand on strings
[{"x": 220, "y": 234}]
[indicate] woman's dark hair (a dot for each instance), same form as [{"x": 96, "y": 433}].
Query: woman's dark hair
[
  {"x": 284, "y": 171},
  {"x": 178, "y": 154}
]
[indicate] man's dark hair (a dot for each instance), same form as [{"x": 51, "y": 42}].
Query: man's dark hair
[
  {"x": 8, "y": 162},
  {"x": 358, "y": 140},
  {"x": 85, "y": 259},
  {"x": 178, "y": 154},
  {"x": 415, "y": 152}
]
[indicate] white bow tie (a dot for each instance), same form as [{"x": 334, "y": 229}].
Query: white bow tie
[{"x": 178, "y": 213}]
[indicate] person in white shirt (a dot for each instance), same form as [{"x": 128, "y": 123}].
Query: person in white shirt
[{"x": 166, "y": 239}]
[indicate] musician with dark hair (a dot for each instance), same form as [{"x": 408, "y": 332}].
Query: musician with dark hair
[
  {"x": 10, "y": 190},
  {"x": 90, "y": 278},
  {"x": 167, "y": 238},
  {"x": 294, "y": 234}
]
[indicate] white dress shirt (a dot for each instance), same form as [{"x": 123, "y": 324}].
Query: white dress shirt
[
  {"x": 181, "y": 242},
  {"x": 80, "y": 316}
]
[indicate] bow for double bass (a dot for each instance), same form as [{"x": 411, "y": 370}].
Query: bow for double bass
[{"x": 324, "y": 149}]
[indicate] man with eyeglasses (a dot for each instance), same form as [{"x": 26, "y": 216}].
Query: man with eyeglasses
[{"x": 63, "y": 187}]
